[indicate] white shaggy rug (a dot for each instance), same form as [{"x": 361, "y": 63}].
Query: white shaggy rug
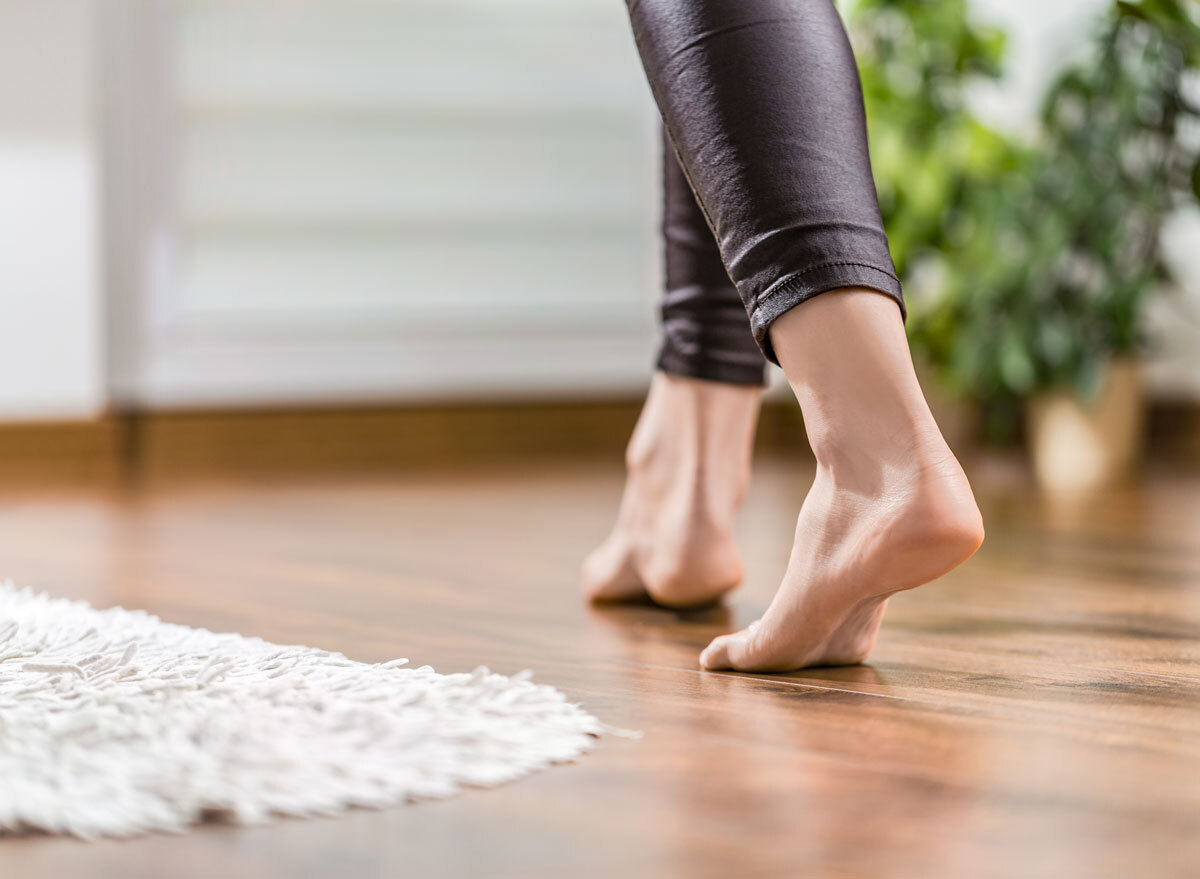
[{"x": 113, "y": 723}]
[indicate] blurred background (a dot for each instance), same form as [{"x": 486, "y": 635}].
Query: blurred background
[{"x": 224, "y": 221}]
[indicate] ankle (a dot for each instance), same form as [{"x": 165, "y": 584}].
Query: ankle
[
  {"x": 874, "y": 437},
  {"x": 694, "y": 423}
]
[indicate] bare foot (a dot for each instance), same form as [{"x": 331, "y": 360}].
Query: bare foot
[
  {"x": 688, "y": 465},
  {"x": 889, "y": 509},
  {"x": 855, "y": 546}
]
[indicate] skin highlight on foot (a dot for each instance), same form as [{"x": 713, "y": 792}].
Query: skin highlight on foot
[
  {"x": 889, "y": 509},
  {"x": 688, "y": 465}
]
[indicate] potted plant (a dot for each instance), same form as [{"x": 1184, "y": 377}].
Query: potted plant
[
  {"x": 1116, "y": 167},
  {"x": 1068, "y": 242}
]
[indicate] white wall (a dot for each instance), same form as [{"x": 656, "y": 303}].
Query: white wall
[
  {"x": 50, "y": 333},
  {"x": 382, "y": 200}
]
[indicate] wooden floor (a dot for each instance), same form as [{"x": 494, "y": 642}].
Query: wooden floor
[{"x": 1036, "y": 713}]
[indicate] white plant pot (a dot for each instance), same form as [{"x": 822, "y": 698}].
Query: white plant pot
[{"x": 1087, "y": 444}]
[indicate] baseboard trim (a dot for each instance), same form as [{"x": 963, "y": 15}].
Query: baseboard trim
[
  {"x": 86, "y": 451},
  {"x": 401, "y": 438},
  {"x": 136, "y": 446},
  {"x": 366, "y": 439}
]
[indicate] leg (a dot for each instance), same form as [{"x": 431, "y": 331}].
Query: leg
[
  {"x": 689, "y": 459},
  {"x": 762, "y": 103},
  {"x": 705, "y": 333}
]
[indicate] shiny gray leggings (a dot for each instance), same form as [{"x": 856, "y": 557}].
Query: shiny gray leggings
[{"x": 768, "y": 194}]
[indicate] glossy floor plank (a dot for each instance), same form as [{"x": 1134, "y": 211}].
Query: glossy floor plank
[{"x": 1035, "y": 713}]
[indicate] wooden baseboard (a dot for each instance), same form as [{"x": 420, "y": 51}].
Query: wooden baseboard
[
  {"x": 66, "y": 452},
  {"x": 117, "y": 448},
  {"x": 341, "y": 440},
  {"x": 408, "y": 438}
]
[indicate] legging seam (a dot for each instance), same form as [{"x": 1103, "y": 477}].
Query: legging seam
[{"x": 783, "y": 286}]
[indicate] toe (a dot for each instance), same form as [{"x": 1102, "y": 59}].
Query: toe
[
  {"x": 725, "y": 651},
  {"x": 716, "y": 655},
  {"x": 747, "y": 650}
]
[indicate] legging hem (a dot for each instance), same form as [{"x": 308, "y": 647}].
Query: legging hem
[
  {"x": 812, "y": 282},
  {"x": 707, "y": 369}
]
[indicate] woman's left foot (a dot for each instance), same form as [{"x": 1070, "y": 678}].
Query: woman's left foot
[{"x": 688, "y": 464}]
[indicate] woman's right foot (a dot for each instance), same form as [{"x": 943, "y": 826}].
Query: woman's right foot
[
  {"x": 858, "y": 541},
  {"x": 688, "y": 466},
  {"x": 890, "y": 507}
]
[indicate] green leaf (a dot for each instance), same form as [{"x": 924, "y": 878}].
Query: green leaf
[
  {"x": 1132, "y": 10},
  {"x": 1016, "y": 366},
  {"x": 1196, "y": 179}
]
